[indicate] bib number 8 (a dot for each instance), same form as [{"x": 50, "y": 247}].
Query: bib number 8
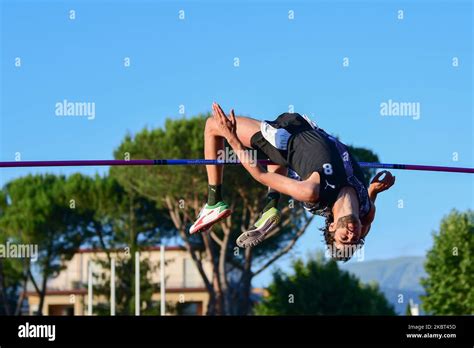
[{"x": 327, "y": 167}]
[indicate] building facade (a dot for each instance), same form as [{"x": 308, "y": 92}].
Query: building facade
[{"x": 67, "y": 294}]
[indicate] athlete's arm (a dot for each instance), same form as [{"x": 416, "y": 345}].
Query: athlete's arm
[
  {"x": 305, "y": 191},
  {"x": 276, "y": 168},
  {"x": 377, "y": 185},
  {"x": 367, "y": 220}
]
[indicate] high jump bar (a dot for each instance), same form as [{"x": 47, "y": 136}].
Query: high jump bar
[{"x": 171, "y": 162}]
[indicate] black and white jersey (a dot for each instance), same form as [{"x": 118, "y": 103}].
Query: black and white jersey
[{"x": 295, "y": 142}]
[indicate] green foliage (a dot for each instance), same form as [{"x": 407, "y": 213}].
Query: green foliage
[
  {"x": 449, "y": 285},
  {"x": 11, "y": 276},
  {"x": 10, "y": 270},
  {"x": 38, "y": 213},
  {"x": 181, "y": 138},
  {"x": 320, "y": 288},
  {"x": 113, "y": 217}
]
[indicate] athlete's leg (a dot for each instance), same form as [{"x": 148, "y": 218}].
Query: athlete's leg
[
  {"x": 216, "y": 209},
  {"x": 268, "y": 219},
  {"x": 214, "y": 142},
  {"x": 273, "y": 196}
]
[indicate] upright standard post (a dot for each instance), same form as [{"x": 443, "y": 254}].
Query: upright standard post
[
  {"x": 137, "y": 283},
  {"x": 162, "y": 280},
  {"x": 112, "y": 286},
  {"x": 89, "y": 288}
]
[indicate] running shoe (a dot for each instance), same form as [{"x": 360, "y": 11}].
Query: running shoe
[
  {"x": 262, "y": 227},
  {"x": 209, "y": 215}
]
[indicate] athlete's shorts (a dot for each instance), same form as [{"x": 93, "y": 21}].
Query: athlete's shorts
[
  {"x": 282, "y": 141},
  {"x": 273, "y": 138}
]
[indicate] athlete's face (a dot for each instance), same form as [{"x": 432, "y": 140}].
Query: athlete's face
[{"x": 347, "y": 230}]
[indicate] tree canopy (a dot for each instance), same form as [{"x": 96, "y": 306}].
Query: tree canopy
[
  {"x": 449, "y": 265},
  {"x": 319, "y": 287}
]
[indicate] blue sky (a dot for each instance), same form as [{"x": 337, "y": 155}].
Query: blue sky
[{"x": 283, "y": 62}]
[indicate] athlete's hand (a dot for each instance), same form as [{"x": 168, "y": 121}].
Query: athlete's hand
[
  {"x": 379, "y": 184},
  {"x": 227, "y": 125}
]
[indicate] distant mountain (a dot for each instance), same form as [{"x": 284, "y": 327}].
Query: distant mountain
[{"x": 399, "y": 276}]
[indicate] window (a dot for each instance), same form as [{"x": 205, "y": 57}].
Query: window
[
  {"x": 61, "y": 310},
  {"x": 189, "y": 308}
]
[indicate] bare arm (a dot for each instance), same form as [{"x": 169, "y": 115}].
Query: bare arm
[
  {"x": 377, "y": 185},
  {"x": 304, "y": 191},
  {"x": 276, "y": 168},
  {"x": 367, "y": 220}
]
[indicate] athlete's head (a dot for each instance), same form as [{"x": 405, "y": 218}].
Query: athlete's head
[{"x": 342, "y": 237}]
